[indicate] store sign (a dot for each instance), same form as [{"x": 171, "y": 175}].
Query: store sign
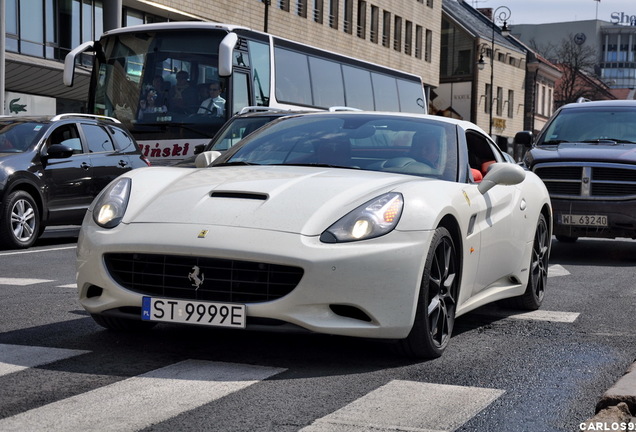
[
  {"x": 623, "y": 18},
  {"x": 21, "y": 104}
]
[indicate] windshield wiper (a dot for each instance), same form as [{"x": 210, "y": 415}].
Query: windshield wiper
[
  {"x": 237, "y": 163},
  {"x": 320, "y": 165},
  {"x": 608, "y": 140},
  {"x": 553, "y": 142}
]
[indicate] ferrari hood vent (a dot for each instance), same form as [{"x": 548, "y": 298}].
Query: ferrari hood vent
[{"x": 240, "y": 195}]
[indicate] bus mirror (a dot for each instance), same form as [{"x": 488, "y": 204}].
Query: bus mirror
[
  {"x": 69, "y": 61},
  {"x": 226, "y": 49}
]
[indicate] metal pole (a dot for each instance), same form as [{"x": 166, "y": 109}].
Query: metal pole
[{"x": 2, "y": 55}]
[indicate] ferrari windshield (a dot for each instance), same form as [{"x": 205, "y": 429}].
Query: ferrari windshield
[
  {"x": 592, "y": 125},
  {"x": 399, "y": 144}
]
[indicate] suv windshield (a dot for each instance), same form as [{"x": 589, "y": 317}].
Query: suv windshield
[
  {"x": 236, "y": 130},
  {"x": 593, "y": 125}
]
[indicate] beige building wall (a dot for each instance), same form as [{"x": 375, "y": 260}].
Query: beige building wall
[
  {"x": 292, "y": 25},
  {"x": 509, "y": 74}
]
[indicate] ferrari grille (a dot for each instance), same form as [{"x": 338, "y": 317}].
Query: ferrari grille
[
  {"x": 596, "y": 181},
  {"x": 200, "y": 278}
]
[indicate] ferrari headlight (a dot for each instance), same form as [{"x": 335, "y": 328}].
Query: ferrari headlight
[
  {"x": 372, "y": 219},
  {"x": 111, "y": 204}
]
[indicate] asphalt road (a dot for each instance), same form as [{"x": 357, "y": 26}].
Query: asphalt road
[{"x": 542, "y": 371}]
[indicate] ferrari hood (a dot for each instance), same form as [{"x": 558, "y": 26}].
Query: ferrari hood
[{"x": 304, "y": 200}]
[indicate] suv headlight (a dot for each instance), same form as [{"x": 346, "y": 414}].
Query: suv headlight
[
  {"x": 372, "y": 219},
  {"x": 111, "y": 204}
]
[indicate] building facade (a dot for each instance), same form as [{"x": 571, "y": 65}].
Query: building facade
[{"x": 402, "y": 34}]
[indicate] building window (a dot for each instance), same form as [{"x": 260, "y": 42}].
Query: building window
[
  {"x": 418, "y": 41},
  {"x": 511, "y": 103},
  {"x": 386, "y": 29},
  {"x": 301, "y": 8},
  {"x": 333, "y": 14},
  {"x": 283, "y": 5},
  {"x": 499, "y": 101},
  {"x": 397, "y": 33},
  {"x": 429, "y": 3},
  {"x": 408, "y": 38},
  {"x": 375, "y": 24},
  {"x": 317, "y": 14},
  {"x": 550, "y": 102},
  {"x": 488, "y": 95},
  {"x": 428, "y": 55},
  {"x": 362, "y": 19},
  {"x": 347, "y": 25}
]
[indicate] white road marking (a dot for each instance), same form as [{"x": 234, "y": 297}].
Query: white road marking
[
  {"x": 139, "y": 402},
  {"x": 14, "y": 358},
  {"x": 72, "y": 285},
  {"x": 557, "y": 270},
  {"x": 543, "y": 315},
  {"x": 22, "y": 281},
  {"x": 408, "y": 406},
  {"x": 32, "y": 251}
]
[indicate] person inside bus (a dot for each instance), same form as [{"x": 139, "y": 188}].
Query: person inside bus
[
  {"x": 215, "y": 104},
  {"x": 183, "y": 96},
  {"x": 161, "y": 87}
]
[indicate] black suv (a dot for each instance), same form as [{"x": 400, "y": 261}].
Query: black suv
[
  {"x": 51, "y": 168},
  {"x": 586, "y": 156},
  {"x": 235, "y": 129}
]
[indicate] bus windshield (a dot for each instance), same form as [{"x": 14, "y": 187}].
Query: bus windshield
[{"x": 155, "y": 79}]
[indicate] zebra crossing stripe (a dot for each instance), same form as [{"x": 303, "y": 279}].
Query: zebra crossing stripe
[
  {"x": 141, "y": 401},
  {"x": 408, "y": 406},
  {"x": 557, "y": 270},
  {"x": 22, "y": 281},
  {"x": 14, "y": 358}
]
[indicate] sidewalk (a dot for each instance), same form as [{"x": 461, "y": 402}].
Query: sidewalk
[{"x": 616, "y": 409}]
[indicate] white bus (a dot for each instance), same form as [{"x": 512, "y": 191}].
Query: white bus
[{"x": 158, "y": 78}]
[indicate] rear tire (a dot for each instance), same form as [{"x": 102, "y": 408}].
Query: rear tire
[
  {"x": 437, "y": 301},
  {"x": 122, "y": 324},
  {"x": 538, "y": 277},
  {"x": 20, "y": 223}
]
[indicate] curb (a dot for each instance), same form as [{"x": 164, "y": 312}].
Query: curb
[{"x": 616, "y": 409}]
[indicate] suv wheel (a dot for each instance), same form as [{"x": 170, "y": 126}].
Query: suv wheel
[{"x": 19, "y": 221}]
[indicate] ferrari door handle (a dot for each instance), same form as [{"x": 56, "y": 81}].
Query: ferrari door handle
[
  {"x": 122, "y": 163},
  {"x": 85, "y": 166}
]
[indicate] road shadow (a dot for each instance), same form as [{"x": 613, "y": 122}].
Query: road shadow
[{"x": 598, "y": 252}]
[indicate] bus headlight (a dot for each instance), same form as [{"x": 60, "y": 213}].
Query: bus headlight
[
  {"x": 110, "y": 207},
  {"x": 372, "y": 219}
]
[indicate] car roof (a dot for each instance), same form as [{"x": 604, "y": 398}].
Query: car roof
[
  {"x": 601, "y": 103},
  {"x": 56, "y": 118}
]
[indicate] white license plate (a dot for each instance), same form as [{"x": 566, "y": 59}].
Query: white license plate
[
  {"x": 584, "y": 220},
  {"x": 193, "y": 312}
]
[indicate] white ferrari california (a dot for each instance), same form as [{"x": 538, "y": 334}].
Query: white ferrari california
[{"x": 366, "y": 224}]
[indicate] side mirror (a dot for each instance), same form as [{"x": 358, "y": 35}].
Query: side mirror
[
  {"x": 501, "y": 174},
  {"x": 206, "y": 158},
  {"x": 525, "y": 138},
  {"x": 58, "y": 151},
  {"x": 69, "y": 61},
  {"x": 226, "y": 50},
  {"x": 198, "y": 148}
]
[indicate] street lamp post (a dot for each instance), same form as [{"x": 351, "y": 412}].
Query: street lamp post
[{"x": 501, "y": 14}]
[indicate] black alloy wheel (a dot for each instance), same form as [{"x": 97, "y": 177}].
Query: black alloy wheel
[
  {"x": 437, "y": 302},
  {"x": 19, "y": 221}
]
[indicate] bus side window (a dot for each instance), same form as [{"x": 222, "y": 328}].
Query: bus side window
[{"x": 240, "y": 92}]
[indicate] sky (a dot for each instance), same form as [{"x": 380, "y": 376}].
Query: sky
[{"x": 547, "y": 11}]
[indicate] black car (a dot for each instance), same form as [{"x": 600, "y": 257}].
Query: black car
[
  {"x": 586, "y": 156},
  {"x": 51, "y": 168}
]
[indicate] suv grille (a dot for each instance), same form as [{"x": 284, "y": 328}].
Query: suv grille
[
  {"x": 594, "y": 181},
  {"x": 223, "y": 280}
]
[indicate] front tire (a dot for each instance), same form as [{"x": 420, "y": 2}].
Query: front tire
[
  {"x": 19, "y": 221},
  {"x": 437, "y": 301}
]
